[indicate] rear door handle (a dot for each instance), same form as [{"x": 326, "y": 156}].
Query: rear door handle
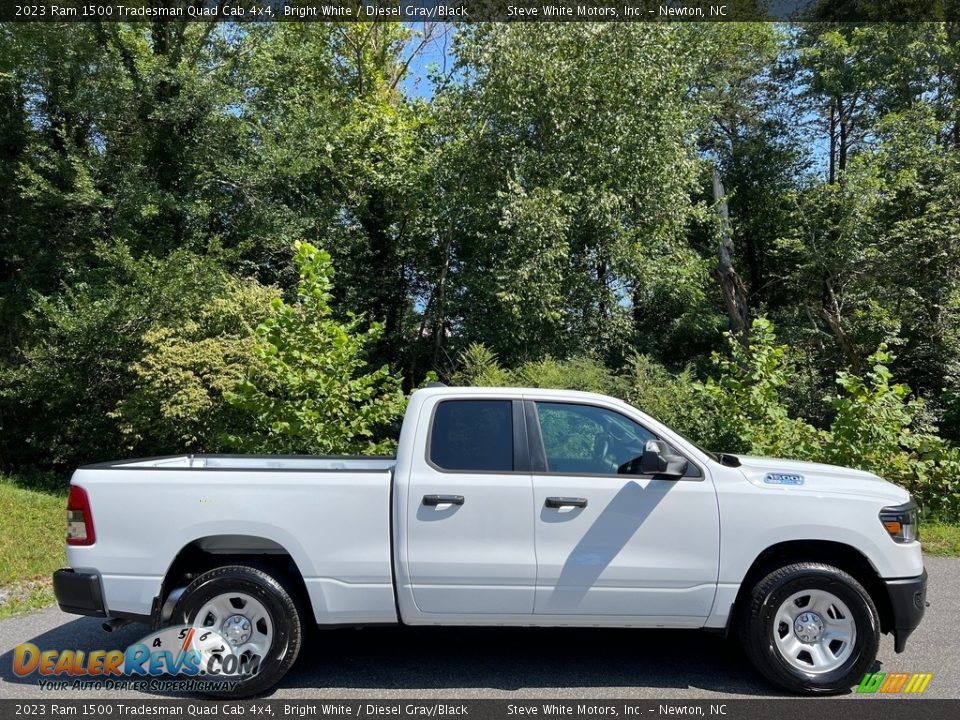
[
  {"x": 559, "y": 502},
  {"x": 434, "y": 500}
]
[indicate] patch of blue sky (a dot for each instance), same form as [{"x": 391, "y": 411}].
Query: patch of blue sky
[{"x": 431, "y": 47}]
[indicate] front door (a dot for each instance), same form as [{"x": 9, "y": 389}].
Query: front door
[{"x": 611, "y": 544}]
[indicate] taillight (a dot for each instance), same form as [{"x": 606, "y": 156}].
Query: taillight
[{"x": 79, "y": 518}]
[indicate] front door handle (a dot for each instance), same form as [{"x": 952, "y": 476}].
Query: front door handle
[
  {"x": 434, "y": 500},
  {"x": 559, "y": 502}
]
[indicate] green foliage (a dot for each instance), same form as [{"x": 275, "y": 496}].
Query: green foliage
[
  {"x": 563, "y": 186},
  {"x": 187, "y": 370},
  {"x": 931, "y": 472},
  {"x": 873, "y": 415},
  {"x": 578, "y": 373},
  {"x": 747, "y": 413},
  {"x": 310, "y": 390},
  {"x": 479, "y": 366},
  {"x": 672, "y": 398},
  {"x": 875, "y": 428},
  {"x": 57, "y": 402},
  {"x": 872, "y": 427}
]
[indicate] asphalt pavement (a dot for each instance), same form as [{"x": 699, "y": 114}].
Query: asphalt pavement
[{"x": 522, "y": 663}]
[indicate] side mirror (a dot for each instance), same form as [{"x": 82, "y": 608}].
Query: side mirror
[{"x": 657, "y": 460}]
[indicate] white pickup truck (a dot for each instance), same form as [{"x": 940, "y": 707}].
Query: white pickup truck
[{"x": 506, "y": 507}]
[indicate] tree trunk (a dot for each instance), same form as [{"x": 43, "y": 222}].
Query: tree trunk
[
  {"x": 830, "y": 312},
  {"x": 833, "y": 142},
  {"x": 844, "y": 148},
  {"x": 440, "y": 312},
  {"x": 732, "y": 287},
  {"x": 953, "y": 33}
]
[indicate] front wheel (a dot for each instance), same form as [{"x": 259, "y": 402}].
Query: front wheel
[
  {"x": 810, "y": 628},
  {"x": 257, "y": 619}
]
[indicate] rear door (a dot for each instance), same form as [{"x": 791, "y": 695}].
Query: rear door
[
  {"x": 609, "y": 543},
  {"x": 470, "y": 511}
]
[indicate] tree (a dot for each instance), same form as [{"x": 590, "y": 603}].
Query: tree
[
  {"x": 851, "y": 76},
  {"x": 118, "y": 133},
  {"x": 310, "y": 390},
  {"x": 744, "y": 397},
  {"x": 563, "y": 187},
  {"x": 77, "y": 362},
  {"x": 871, "y": 246},
  {"x": 757, "y": 160}
]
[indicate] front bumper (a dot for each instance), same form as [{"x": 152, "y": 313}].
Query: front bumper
[
  {"x": 908, "y": 600},
  {"x": 79, "y": 593}
]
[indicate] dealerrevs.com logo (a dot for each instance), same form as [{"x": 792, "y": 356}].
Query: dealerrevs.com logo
[
  {"x": 175, "y": 658},
  {"x": 894, "y": 683}
]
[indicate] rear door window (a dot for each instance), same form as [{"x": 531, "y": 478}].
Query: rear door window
[{"x": 472, "y": 435}]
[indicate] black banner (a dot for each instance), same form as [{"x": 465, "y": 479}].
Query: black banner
[
  {"x": 854, "y": 708},
  {"x": 478, "y": 10}
]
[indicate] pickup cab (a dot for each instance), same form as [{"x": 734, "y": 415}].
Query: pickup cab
[{"x": 508, "y": 507}]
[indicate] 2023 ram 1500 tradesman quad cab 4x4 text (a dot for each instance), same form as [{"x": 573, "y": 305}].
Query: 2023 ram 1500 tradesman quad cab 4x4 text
[{"x": 506, "y": 507}]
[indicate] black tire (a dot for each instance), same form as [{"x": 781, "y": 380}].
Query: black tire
[
  {"x": 757, "y": 632},
  {"x": 280, "y": 605}
]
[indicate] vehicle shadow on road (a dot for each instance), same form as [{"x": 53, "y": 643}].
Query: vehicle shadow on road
[
  {"x": 516, "y": 659},
  {"x": 476, "y": 662}
]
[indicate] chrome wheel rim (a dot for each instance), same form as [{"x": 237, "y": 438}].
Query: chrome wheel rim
[
  {"x": 814, "y": 631},
  {"x": 241, "y": 620}
]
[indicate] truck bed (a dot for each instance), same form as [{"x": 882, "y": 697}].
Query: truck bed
[
  {"x": 331, "y": 515},
  {"x": 253, "y": 462}
]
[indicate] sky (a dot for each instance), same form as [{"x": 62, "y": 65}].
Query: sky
[{"x": 437, "y": 53}]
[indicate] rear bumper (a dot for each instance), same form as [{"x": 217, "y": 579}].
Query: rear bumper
[
  {"x": 908, "y": 600},
  {"x": 79, "y": 593}
]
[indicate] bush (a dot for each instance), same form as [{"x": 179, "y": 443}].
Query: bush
[
  {"x": 577, "y": 373},
  {"x": 76, "y": 365},
  {"x": 743, "y": 408},
  {"x": 873, "y": 418},
  {"x": 671, "y": 399},
  {"x": 872, "y": 427},
  {"x": 480, "y": 367},
  {"x": 309, "y": 389},
  {"x": 180, "y": 384},
  {"x": 933, "y": 477}
]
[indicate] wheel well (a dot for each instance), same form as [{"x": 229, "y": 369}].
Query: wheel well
[
  {"x": 844, "y": 557},
  {"x": 207, "y": 553}
]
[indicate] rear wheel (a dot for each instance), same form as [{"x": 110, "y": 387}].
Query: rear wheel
[
  {"x": 256, "y": 616},
  {"x": 810, "y": 628}
]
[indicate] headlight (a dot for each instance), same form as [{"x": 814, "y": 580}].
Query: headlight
[{"x": 901, "y": 522}]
